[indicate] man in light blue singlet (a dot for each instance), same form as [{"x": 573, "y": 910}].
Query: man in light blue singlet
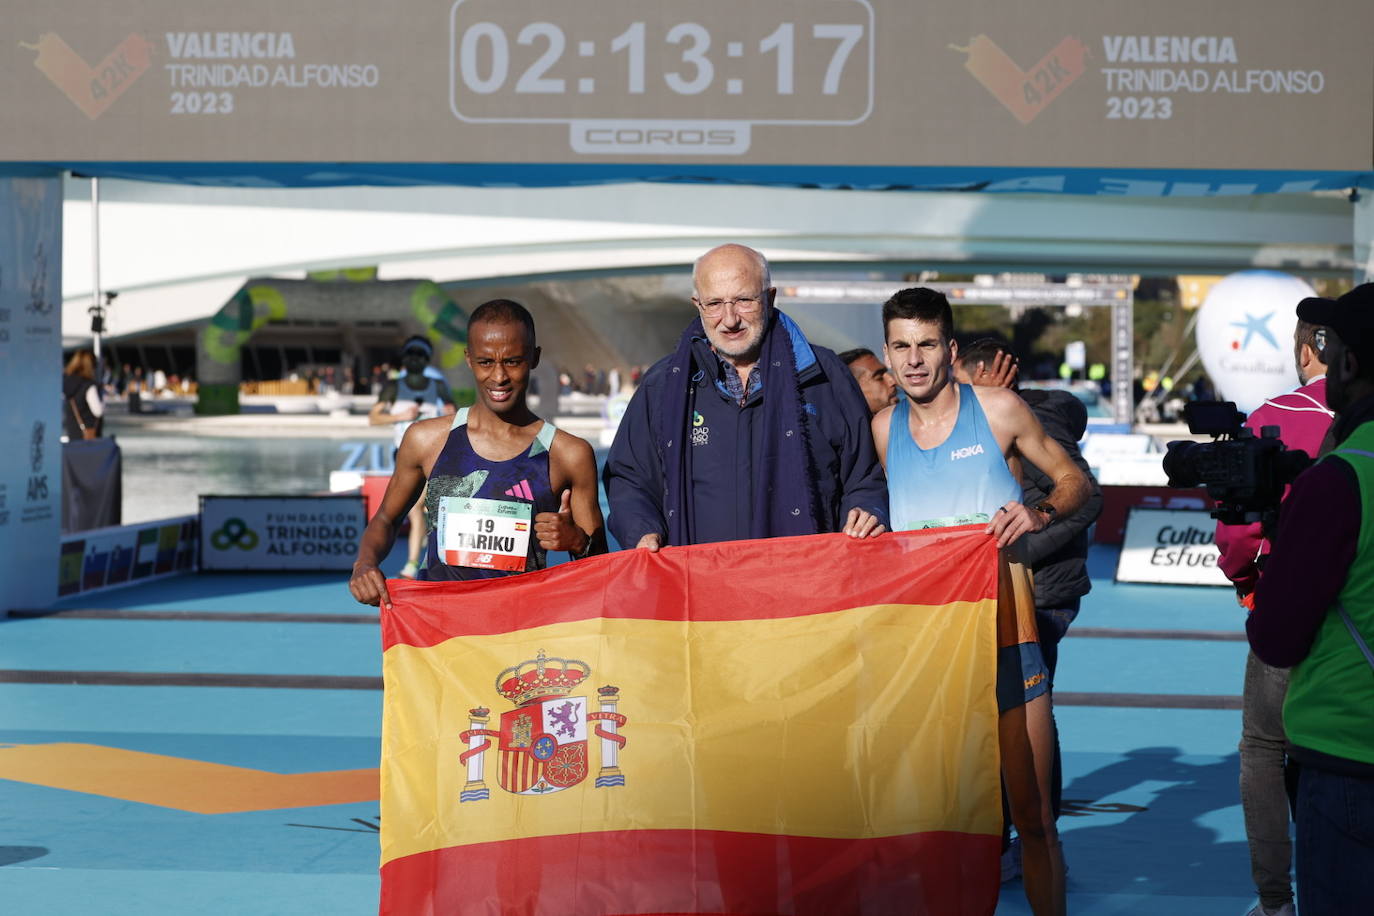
[
  {"x": 503, "y": 486},
  {"x": 946, "y": 449}
]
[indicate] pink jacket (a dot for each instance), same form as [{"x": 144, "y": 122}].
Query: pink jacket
[{"x": 1303, "y": 419}]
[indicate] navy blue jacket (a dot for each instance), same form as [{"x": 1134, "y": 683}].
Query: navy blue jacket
[{"x": 724, "y": 438}]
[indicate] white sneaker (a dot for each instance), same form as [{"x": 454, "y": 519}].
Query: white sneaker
[{"x": 1259, "y": 910}]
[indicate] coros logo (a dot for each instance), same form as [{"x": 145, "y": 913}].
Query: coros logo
[
  {"x": 683, "y": 138},
  {"x": 234, "y": 533}
]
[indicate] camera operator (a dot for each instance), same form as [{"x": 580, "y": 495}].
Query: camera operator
[
  {"x": 1303, "y": 419},
  {"x": 1314, "y": 612}
]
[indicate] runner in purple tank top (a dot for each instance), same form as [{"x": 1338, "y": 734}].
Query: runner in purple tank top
[{"x": 505, "y": 487}]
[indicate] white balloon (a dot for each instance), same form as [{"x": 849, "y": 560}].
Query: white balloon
[{"x": 1245, "y": 335}]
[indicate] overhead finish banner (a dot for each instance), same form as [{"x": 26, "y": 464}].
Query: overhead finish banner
[
  {"x": 1255, "y": 94},
  {"x": 750, "y": 727}
]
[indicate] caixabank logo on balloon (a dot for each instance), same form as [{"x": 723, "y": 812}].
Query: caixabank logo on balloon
[
  {"x": 542, "y": 742},
  {"x": 1245, "y": 335}
]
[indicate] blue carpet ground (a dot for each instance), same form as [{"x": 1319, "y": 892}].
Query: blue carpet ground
[{"x": 1152, "y": 821}]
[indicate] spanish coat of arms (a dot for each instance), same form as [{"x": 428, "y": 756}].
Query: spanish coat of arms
[{"x": 542, "y": 743}]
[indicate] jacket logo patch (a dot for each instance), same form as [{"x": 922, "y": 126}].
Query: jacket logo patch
[{"x": 701, "y": 433}]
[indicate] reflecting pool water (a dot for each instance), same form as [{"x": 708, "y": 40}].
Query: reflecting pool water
[{"x": 165, "y": 475}]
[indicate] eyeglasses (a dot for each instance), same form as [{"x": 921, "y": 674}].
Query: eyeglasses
[{"x": 745, "y": 305}]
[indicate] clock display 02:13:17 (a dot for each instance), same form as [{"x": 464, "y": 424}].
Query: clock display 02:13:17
[{"x": 684, "y": 58}]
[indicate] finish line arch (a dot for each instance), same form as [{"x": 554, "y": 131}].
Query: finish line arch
[{"x": 428, "y": 310}]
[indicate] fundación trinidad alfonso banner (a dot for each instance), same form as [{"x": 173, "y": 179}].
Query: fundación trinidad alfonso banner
[
  {"x": 280, "y": 532},
  {"x": 801, "y": 725}
]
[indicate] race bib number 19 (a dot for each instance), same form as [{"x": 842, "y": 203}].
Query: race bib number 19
[{"x": 484, "y": 533}]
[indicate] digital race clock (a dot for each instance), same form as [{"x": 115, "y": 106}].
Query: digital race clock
[{"x": 628, "y": 80}]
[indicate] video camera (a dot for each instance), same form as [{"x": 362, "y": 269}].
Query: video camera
[{"x": 1246, "y": 474}]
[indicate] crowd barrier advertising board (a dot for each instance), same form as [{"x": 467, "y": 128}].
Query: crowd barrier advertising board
[
  {"x": 280, "y": 532},
  {"x": 1171, "y": 547},
  {"x": 1231, "y": 85},
  {"x": 106, "y": 558},
  {"x": 30, "y": 355}
]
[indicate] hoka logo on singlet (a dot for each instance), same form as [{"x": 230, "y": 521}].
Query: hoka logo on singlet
[
  {"x": 521, "y": 491},
  {"x": 967, "y": 451}
]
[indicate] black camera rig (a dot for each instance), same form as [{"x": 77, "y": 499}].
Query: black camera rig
[{"x": 1245, "y": 474}]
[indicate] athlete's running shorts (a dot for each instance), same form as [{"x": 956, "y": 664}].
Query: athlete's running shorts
[{"x": 1021, "y": 672}]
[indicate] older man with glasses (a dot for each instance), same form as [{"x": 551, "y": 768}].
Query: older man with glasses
[{"x": 746, "y": 430}]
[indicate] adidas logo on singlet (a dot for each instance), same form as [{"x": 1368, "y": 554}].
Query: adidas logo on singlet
[
  {"x": 967, "y": 451},
  {"x": 521, "y": 491}
]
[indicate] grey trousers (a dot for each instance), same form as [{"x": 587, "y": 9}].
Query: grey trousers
[{"x": 1262, "y": 793}]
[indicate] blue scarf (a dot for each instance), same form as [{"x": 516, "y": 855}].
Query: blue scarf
[{"x": 786, "y": 471}]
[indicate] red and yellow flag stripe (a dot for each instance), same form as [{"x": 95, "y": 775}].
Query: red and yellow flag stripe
[{"x": 810, "y": 727}]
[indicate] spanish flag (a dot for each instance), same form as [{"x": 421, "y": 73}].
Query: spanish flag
[{"x": 800, "y": 725}]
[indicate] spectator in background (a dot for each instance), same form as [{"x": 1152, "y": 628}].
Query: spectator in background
[
  {"x": 416, "y": 395},
  {"x": 136, "y": 390},
  {"x": 877, "y": 384},
  {"x": 82, "y": 407},
  {"x": 1203, "y": 389}
]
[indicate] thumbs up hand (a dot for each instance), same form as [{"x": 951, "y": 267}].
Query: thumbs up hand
[{"x": 558, "y": 531}]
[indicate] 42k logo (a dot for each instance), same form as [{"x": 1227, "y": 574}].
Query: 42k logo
[
  {"x": 92, "y": 89},
  {"x": 1024, "y": 93}
]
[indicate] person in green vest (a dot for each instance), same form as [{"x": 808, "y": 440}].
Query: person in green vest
[{"x": 1314, "y": 613}]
